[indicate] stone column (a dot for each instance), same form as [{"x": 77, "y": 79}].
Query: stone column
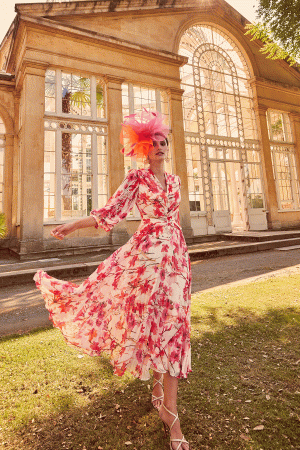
[
  {"x": 8, "y": 181},
  {"x": 32, "y": 159},
  {"x": 115, "y": 157},
  {"x": 15, "y": 180},
  {"x": 269, "y": 182},
  {"x": 179, "y": 157},
  {"x": 295, "y": 118}
]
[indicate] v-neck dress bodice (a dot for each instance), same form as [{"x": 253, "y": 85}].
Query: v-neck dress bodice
[{"x": 136, "y": 305}]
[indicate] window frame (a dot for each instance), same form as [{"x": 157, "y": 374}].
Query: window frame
[
  {"x": 59, "y": 123},
  {"x": 285, "y": 146},
  {"x": 134, "y": 214}
]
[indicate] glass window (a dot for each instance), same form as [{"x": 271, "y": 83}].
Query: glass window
[
  {"x": 75, "y": 170},
  {"x": 279, "y": 126},
  {"x": 50, "y": 86},
  {"x": 253, "y": 176},
  {"x": 134, "y": 99},
  {"x": 195, "y": 178},
  {"x": 76, "y": 185},
  {"x": 285, "y": 174},
  {"x": 74, "y": 94},
  {"x": 283, "y": 160},
  {"x": 2, "y": 154},
  {"x": 75, "y": 158},
  {"x": 217, "y": 108}
]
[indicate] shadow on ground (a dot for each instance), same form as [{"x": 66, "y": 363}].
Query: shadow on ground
[{"x": 244, "y": 376}]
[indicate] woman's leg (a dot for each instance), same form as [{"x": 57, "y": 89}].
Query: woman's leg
[
  {"x": 157, "y": 392},
  {"x": 170, "y": 402}
]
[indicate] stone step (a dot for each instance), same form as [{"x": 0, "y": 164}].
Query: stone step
[
  {"x": 62, "y": 252},
  {"x": 69, "y": 270},
  {"x": 260, "y": 236},
  {"x": 239, "y": 248}
]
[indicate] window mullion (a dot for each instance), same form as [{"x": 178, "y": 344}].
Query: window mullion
[
  {"x": 131, "y": 98},
  {"x": 58, "y": 93},
  {"x": 293, "y": 181},
  {"x": 158, "y": 100},
  {"x": 93, "y": 88},
  {"x": 58, "y": 162},
  {"x": 131, "y": 111},
  {"x": 284, "y": 127},
  {"x": 277, "y": 180},
  {"x": 95, "y": 169}
]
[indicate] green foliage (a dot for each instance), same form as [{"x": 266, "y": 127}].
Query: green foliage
[
  {"x": 3, "y": 228},
  {"x": 277, "y": 127},
  {"x": 82, "y": 95},
  {"x": 271, "y": 48},
  {"x": 279, "y": 29}
]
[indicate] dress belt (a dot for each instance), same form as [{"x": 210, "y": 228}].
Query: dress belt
[{"x": 168, "y": 222}]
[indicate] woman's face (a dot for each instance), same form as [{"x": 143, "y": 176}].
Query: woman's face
[{"x": 159, "y": 151}]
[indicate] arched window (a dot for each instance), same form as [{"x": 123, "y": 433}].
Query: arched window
[
  {"x": 223, "y": 154},
  {"x": 2, "y": 154}
]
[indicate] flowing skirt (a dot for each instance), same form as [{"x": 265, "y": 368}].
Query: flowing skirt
[{"x": 135, "y": 307}]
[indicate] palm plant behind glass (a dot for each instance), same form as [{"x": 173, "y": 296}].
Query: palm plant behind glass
[
  {"x": 76, "y": 99},
  {"x": 3, "y": 228}
]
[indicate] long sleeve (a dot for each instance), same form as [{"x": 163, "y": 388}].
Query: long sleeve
[{"x": 120, "y": 204}]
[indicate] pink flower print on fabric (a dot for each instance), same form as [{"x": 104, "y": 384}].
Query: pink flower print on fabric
[{"x": 136, "y": 306}]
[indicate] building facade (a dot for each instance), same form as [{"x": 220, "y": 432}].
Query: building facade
[{"x": 71, "y": 71}]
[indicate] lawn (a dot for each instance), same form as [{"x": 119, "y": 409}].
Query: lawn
[{"x": 243, "y": 393}]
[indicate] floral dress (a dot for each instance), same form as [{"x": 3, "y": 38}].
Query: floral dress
[{"x": 136, "y": 305}]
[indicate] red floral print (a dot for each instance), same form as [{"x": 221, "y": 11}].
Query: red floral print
[{"x": 136, "y": 306}]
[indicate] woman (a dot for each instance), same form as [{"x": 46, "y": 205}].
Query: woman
[{"x": 136, "y": 305}]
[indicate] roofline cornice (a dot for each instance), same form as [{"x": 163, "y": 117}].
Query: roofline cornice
[
  {"x": 104, "y": 40},
  {"x": 107, "y": 7}
]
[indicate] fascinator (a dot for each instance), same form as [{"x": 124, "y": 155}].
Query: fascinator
[{"x": 139, "y": 131}]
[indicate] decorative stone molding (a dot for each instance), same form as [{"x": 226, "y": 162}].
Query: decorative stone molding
[
  {"x": 265, "y": 81},
  {"x": 30, "y": 67}
]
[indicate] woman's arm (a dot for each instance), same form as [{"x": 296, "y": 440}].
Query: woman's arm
[
  {"x": 113, "y": 212},
  {"x": 61, "y": 231}
]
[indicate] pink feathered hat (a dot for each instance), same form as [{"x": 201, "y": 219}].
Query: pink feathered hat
[{"x": 139, "y": 132}]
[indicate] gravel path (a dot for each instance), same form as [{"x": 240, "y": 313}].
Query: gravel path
[{"x": 22, "y": 308}]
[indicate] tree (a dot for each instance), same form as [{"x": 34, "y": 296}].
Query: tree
[{"x": 279, "y": 29}]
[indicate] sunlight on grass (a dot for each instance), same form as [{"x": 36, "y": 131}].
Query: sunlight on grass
[{"x": 245, "y": 342}]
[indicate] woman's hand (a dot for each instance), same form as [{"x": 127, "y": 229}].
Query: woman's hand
[{"x": 61, "y": 231}]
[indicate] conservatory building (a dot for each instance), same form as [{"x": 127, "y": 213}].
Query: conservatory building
[{"x": 71, "y": 71}]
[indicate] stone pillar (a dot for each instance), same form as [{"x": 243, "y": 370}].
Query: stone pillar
[
  {"x": 32, "y": 159},
  {"x": 15, "y": 180},
  {"x": 269, "y": 182},
  {"x": 115, "y": 157},
  {"x": 8, "y": 175},
  {"x": 295, "y": 119},
  {"x": 179, "y": 157}
]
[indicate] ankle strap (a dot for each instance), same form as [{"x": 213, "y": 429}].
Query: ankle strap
[
  {"x": 172, "y": 414},
  {"x": 158, "y": 381}
]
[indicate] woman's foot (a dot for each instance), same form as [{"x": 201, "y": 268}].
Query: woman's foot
[
  {"x": 171, "y": 420},
  {"x": 157, "y": 391}
]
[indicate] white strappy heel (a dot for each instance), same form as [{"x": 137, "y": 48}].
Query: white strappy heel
[
  {"x": 179, "y": 441},
  {"x": 160, "y": 398}
]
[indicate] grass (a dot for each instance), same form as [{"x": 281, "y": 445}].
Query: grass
[{"x": 246, "y": 360}]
